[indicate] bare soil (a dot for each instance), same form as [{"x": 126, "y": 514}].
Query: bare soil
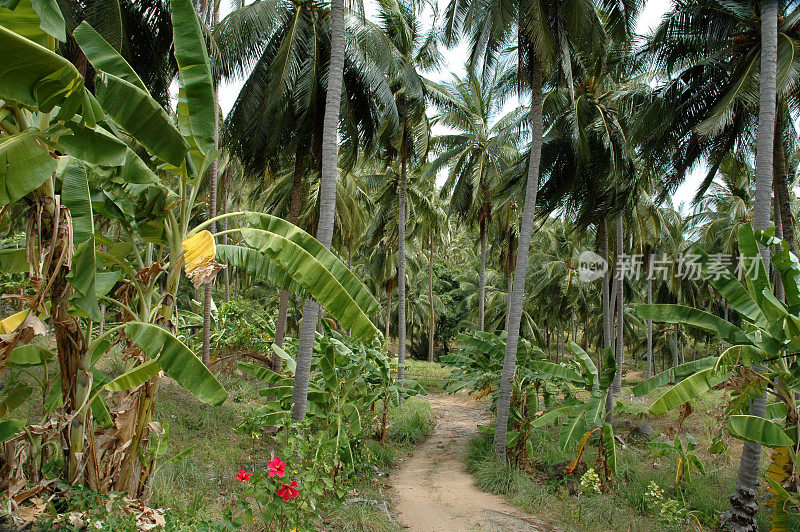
[{"x": 434, "y": 492}]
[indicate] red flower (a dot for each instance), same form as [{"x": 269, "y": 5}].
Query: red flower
[
  {"x": 288, "y": 491},
  {"x": 277, "y": 467},
  {"x": 243, "y": 476}
]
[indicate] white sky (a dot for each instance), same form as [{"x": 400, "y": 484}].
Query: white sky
[{"x": 455, "y": 59}]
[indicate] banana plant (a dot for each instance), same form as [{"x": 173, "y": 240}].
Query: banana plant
[
  {"x": 347, "y": 378},
  {"x": 687, "y": 460},
  {"x": 67, "y": 152},
  {"x": 581, "y": 413},
  {"x": 760, "y": 357}
]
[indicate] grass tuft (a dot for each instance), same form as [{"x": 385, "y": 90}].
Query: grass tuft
[
  {"x": 360, "y": 517},
  {"x": 411, "y": 421}
]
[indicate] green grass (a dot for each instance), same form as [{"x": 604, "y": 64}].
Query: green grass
[
  {"x": 410, "y": 422},
  {"x": 360, "y": 517},
  {"x": 431, "y": 375}
]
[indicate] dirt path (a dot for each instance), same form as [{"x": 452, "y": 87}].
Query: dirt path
[{"x": 433, "y": 492}]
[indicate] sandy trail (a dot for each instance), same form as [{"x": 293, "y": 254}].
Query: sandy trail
[{"x": 432, "y": 490}]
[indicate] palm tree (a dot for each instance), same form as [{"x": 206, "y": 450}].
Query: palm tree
[
  {"x": 327, "y": 200},
  {"x": 478, "y": 152},
  {"x": 743, "y": 501},
  {"x": 416, "y": 50},
  {"x": 285, "y": 47},
  {"x": 545, "y": 35}
]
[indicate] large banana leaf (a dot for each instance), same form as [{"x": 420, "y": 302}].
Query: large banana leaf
[
  {"x": 572, "y": 430},
  {"x": 556, "y": 370},
  {"x": 759, "y": 430},
  {"x": 694, "y": 318},
  {"x": 28, "y": 355},
  {"x": 177, "y": 361},
  {"x": 134, "y": 377},
  {"x": 318, "y": 281},
  {"x": 34, "y": 76},
  {"x": 141, "y": 116},
  {"x": 672, "y": 375},
  {"x": 195, "y": 73},
  {"x": 686, "y": 390},
  {"x": 609, "y": 447},
  {"x": 9, "y": 427},
  {"x": 103, "y": 56},
  {"x": 257, "y": 265},
  {"x": 586, "y": 362},
  {"x": 93, "y": 145},
  {"x": 34, "y": 20},
  {"x": 338, "y": 269},
  {"x": 76, "y": 197},
  {"x": 13, "y": 260},
  {"x": 24, "y": 164}
]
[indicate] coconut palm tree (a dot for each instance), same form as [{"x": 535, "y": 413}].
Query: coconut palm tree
[
  {"x": 478, "y": 152},
  {"x": 545, "y": 35},
  {"x": 327, "y": 199},
  {"x": 416, "y": 50},
  {"x": 284, "y": 48}
]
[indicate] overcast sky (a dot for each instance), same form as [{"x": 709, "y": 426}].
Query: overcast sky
[{"x": 455, "y": 59}]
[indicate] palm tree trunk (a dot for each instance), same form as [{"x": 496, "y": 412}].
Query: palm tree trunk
[
  {"x": 482, "y": 278},
  {"x": 327, "y": 200},
  {"x": 649, "y": 371},
  {"x": 777, "y": 282},
  {"x": 781, "y": 186},
  {"x": 508, "y": 297},
  {"x": 283, "y": 302},
  {"x": 431, "y": 323},
  {"x": 226, "y": 187},
  {"x": 401, "y": 262},
  {"x": 520, "y": 271},
  {"x": 744, "y": 505},
  {"x": 212, "y": 212},
  {"x": 388, "y": 312},
  {"x": 616, "y": 386},
  {"x": 607, "y": 316}
]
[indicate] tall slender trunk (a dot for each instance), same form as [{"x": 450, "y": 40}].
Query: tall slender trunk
[
  {"x": 744, "y": 505},
  {"x": 327, "y": 200},
  {"x": 401, "y": 261},
  {"x": 482, "y": 278},
  {"x": 283, "y": 302},
  {"x": 780, "y": 184},
  {"x": 616, "y": 386},
  {"x": 226, "y": 188},
  {"x": 520, "y": 271},
  {"x": 607, "y": 317},
  {"x": 388, "y": 312},
  {"x": 673, "y": 345},
  {"x": 431, "y": 323},
  {"x": 777, "y": 282},
  {"x": 212, "y": 212},
  {"x": 508, "y": 298},
  {"x": 649, "y": 371}
]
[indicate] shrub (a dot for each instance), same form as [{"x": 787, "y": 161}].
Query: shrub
[{"x": 411, "y": 421}]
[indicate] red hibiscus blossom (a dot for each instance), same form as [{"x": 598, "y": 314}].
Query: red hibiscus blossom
[
  {"x": 276, "y": 467},
  {"x": 243, "y": 476},
  {"x": 288, "y": 491}
]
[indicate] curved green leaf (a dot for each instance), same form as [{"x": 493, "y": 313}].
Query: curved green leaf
[
  {"x": 134, "y": 377},
  {"x": 34, "y": 76},
  {"x": 320, "y": 282},
  {"x": 24, "y": 165},
  {"x": 194, "y": 71},
  {"x": 694, "y": 318},
  {"x": 9, "y": 427},
  {"x": 93, "y": 145},
  {"x": 103, "y": 56},
  {"x": 759, "y": 430},
  {"x": 352, "y": 284},
  {"x": 177, "y": 361},
  {"x": 14, "y": 398},
  {"x": 258, "y": 266},
  {"x": 672, "y": 375},
  {"x": 24, "y": 356},
  {"x": 142, "y": 117},
  {"x": 586, "y": 362},
  {"x": 13, "y": 260},
  {"x": 556, "y": 370},
  {"x": 686, "y": 390},
  {"x": 572, "y": 431},
  {"x": 550, "y": 415}
]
